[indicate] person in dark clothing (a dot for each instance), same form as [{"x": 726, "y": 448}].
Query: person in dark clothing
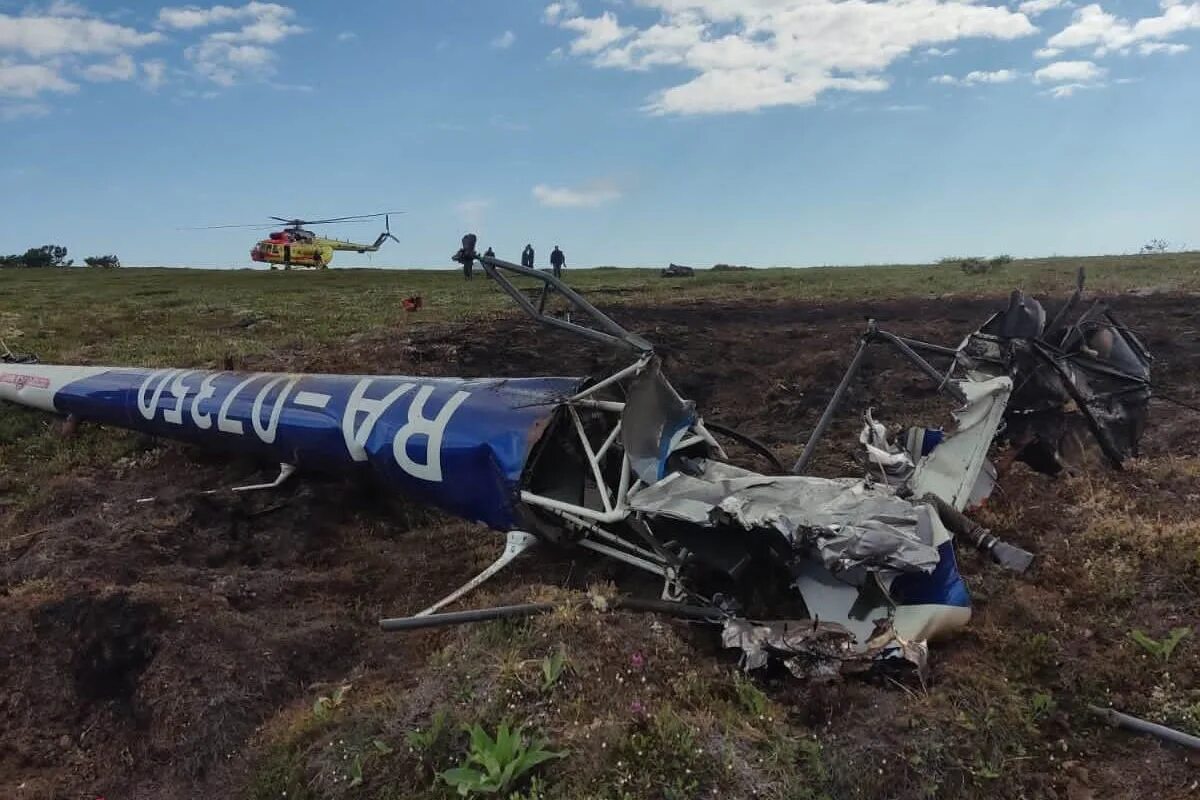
[
  {"x": 558, "y": 261},
  {"x": 490, "y": 253},
  {"x": 466, "y": 255},
  {"x": 527, "y": 256}
]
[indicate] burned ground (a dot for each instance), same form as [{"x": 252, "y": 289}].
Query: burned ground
[{"x": 175, "y": 647}]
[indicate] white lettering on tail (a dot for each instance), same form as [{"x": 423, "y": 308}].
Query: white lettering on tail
[
  {"x": 207, "y": 390},
  {"x": 267, "y": 433},
  {"x": 356, "y": 437},
  {"x": 224, "y": 423},
  {"x": 432, "y": 429},
  {"x": 147, "y": 403}
]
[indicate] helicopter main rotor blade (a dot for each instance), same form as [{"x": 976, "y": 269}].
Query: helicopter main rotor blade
[
  {"x": 347, "y": 219},
  {"x": 215, "y": 227}
]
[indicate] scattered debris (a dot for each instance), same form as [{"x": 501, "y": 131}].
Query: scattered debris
[
  {"x": 678, "y": 271},
  {"x": 1120, "y": 720}
]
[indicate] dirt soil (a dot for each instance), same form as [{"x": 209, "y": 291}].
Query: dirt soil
[{"x": 150, "y": 630}]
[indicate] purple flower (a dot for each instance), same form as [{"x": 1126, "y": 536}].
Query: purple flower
[
  {"x": 637, "y": 707},
  {"x": 637, "y": 660}
]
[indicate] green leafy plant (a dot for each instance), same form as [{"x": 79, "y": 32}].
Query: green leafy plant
[
  {"x": 425, "y": 740},
  {"x": 1042, "y": 704},
  {"x": 325, "y": 705},
  {"x": 495, "y": 765},
  {"x": 356, "y": 766},
  {"x": 552, "y": 668},
  {"x": 750, "y": 697},
  {"x": 1160, "y": 649}
]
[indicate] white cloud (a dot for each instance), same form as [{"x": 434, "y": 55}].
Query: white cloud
[
  {"x": 1069, "y": 72},
  {"x": 189, "y": 17},
  {"x": 120, "y": 68},
  {"x": 977, "y": 77},
  {"x": 556, "y": 11},
  {"x": 1092, "y": 26},
  {"x": 42, "y": 35},
  {"x": 1147, "y": 48},
  {"x": 939, "y": 52},
  {"x": 587, "y": 196},
  {"x": 16, "y": 111},
  {"x": 1034, "y": 7},
  {"x": 347, "y": 36},
  {"x": 1068, "y": 89},
  {"x": 504, "y": 40},
  {"x": 595, "y": 33},
  {"x": 1047, "y": 52},
  {"x": 154, "y": 73},
  {"x": 226, "y": 57},
  {"x": 745, "y": 55},
  {"x": 30, "y": 80}
]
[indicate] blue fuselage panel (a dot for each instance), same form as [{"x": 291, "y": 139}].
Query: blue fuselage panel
[{"x": 457, "y": 444}]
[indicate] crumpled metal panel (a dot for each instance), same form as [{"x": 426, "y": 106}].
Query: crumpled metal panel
[
  {"x": 849, "y": 523},
  {"x": 821, "y": 650}
]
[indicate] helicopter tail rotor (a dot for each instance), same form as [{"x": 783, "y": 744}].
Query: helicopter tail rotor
[{"x": 387, "y": 229}]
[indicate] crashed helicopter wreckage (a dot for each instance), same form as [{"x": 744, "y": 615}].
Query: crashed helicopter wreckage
[
  {"x": 622, "y": 467},
  {"x": 1080, "y": 381}
]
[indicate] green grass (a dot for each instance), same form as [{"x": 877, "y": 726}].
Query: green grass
[{"x": 164, "y": 317}]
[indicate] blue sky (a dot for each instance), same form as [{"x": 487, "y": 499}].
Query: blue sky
[{"x": 764, "y": 132}]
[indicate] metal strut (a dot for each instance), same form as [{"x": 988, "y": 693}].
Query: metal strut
[
  {"x": 517, "y": 542},
  {"x": 903, "y": 346},
  {"x": 606, "y": 331}
]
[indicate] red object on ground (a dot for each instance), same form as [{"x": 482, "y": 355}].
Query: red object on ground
[{"x": 412, "y": 303}]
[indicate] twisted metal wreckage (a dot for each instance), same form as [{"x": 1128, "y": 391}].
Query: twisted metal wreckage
[{"x": 625, "y": 468}]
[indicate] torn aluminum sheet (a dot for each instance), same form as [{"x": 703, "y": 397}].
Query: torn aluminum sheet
[
  {"x": 653, "y": 423},
  {"x": 956, "y": 468}
]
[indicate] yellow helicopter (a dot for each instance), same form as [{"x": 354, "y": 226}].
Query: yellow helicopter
[{"x": 294, "y": 246}]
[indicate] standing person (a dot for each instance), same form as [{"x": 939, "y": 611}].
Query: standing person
[
  {"x": 466, "y": 255},
  {"x": 527, "y": 256},
  {"x": 490, "y": 253},
  {"x": 558, "y": 261}
]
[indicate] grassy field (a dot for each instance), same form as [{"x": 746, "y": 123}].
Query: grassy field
[
  {"x": 257, "y": 610},
  {"x": 160, "y": 317}
]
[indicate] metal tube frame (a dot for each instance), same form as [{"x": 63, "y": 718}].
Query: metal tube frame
[
  {"x": 906, "y": 348},
  {"x": 606, "y": 332},
  {"x": 615, "y": 503}
]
